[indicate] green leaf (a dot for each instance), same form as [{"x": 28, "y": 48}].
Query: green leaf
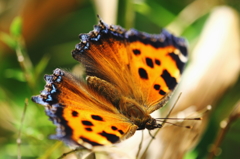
[
  {"x": 16, "y": 27},
  {"x": 14, "y": 74},
  {"x": 8, "y": 40},
  {"x": 153, "y": 8},
  {"x": 40, "y": 67},
  {"x": 190, "y": 155}
]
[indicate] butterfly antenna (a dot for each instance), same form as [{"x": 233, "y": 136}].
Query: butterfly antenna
[
  {"x": 100, "y": 20},
  {"x": 180, "y": 118},
  {"x": 98, "y": 16},
  {"x": 167, "y": 117},
  {"x": 188, "y": 127},
  {"x": 173, "y": 107}
]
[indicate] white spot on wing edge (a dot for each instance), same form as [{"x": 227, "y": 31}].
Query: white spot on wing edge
[{"x": 183, "y": 58}]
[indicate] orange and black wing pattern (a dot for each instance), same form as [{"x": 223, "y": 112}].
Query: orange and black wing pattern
[
  {"x": 145, "y": 67},
  {"x": 79, "y": 117}
]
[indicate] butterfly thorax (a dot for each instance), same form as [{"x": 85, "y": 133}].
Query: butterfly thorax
[{"x": 125, "y": 105}]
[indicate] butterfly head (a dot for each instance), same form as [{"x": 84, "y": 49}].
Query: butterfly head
[{"x": 152, "y": 124}]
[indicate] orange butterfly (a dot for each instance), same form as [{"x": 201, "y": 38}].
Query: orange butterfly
[{"x": 130, "y": 74}]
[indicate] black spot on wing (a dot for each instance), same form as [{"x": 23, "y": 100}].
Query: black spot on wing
[
  {"x": 142, "y": 73},
  {"x": 110, "y": 137},
  {"x": 169, "y": 80},
  {"x": 156, "y": 86},
  {"x": 87, "y": 123},
  {"x": 74, "y": 113},
  {"x": 162, "y": 92},
  {"x": 121, "y": 132},
  {"x": 97, "y": 117},
  {"x": 90, "y": 142},
  {"x": 179, "y": 63},
  {"x": 88, "y": 129},
  {"x": 149, "y": 62},
  {"x": 114, "y": 128},
  {"x": 136, "y": 51},
  {"x": 157, "y": 62}
]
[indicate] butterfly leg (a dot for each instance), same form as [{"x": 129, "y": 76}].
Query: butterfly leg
[{"x": 149, "y": 132}]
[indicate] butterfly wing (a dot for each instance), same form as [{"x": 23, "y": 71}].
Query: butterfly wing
[
  {"x": 144, "y": 67},
  {"x": 82, "y": 116}
]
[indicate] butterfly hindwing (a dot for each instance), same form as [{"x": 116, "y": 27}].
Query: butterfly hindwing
[{"x": 82, "y": 117}]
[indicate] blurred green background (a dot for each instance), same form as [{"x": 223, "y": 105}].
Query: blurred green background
[{"x": 44, "y": 34}]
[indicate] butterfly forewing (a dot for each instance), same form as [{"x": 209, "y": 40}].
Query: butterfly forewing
[
  {"x": 157, "y": 63},
  {"x": 106, "y": 57},
  {"x": 144, "y": 67}
]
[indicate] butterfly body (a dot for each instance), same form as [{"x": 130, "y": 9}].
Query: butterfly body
[
  {"x": 126, "y": 106},
  {"x": 130, "y": 74}
]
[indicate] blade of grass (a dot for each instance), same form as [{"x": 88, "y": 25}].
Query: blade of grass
[{"x": 20, "y": 129}]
